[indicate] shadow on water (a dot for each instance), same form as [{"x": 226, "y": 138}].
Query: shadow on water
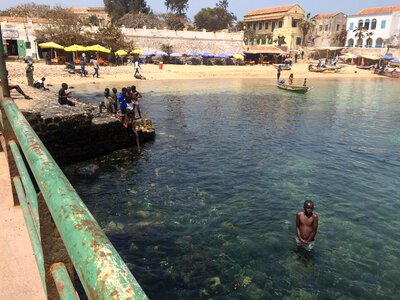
[{"x": 208, "y": 209}]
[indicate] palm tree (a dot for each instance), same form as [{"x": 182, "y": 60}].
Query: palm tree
[
  {"x": 360, "y": 33},
  {"x": 306, "y": 25},
  {"x": 280, "y": 40}
]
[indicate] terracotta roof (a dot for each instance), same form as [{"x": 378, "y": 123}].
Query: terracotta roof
[
  {"x": 269, "y": 10},
  {"x": 324, "y": 16},
  {"x": 379, "y": 10}
]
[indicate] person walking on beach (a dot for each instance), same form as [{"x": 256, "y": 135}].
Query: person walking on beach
[
  {"x": 291, "y": 78},
  {"x": 96, "y": 67},
  {"x": 306, "y": 226},
  {"x": 278, "y": 74},
  {"x": 137, "y": 66},
  {"x": 82, "y": 63}
]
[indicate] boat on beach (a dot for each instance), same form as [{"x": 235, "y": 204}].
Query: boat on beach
[
  {"x": 301, "y": 89},
  {"x": 283, "y": 66},
  {"x": 388, "y": 73},
  {"x": 315, "y": 68}
]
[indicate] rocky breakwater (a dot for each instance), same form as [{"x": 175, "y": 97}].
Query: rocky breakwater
[{"x": 73, "y": 134}]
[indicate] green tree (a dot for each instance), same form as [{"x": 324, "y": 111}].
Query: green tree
[
  {"x": 216, "y": 18},
  {"x": 64, "y": 28},
  {"x": 361, "y": 33},
  {"x": 167, "y": 48},
  {"x": 306, "y": 25},
  {"x": 178, "y": 7},
  {"x": 280, "y": 40},
  {"x": 112, "y": 37},
  {"x": 341, "y": 37},
  {"x": 249, "y": 36},
  {"x": 118, "y": 8}
]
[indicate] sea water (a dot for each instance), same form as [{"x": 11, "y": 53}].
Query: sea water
[{"x": 207, "y": 210}]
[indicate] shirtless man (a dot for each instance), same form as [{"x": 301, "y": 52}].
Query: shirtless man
[{"x": 306, "y": 226}]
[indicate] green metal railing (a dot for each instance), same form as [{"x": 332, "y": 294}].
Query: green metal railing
[{"x": 101, "y": 270}]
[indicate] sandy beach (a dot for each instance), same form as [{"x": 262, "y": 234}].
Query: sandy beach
[{"x": 55, "y": 74}]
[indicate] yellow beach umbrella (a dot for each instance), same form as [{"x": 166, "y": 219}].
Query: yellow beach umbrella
[
  {"x": 121, "y": 53},
  {"x": 98, "y": 48},
  {"x": 238, "y": 56},
  {"x": 137, "y": 51},
  {"x": 74, "y": 48},
  {"x": 50, "y": 45}
]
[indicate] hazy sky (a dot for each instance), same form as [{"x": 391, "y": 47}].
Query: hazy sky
[{"x": 238, "y": 7}]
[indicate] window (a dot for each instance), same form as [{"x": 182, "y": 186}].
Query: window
[
  {"x": 379, "y": 43},
  {"x": 280, "y": 24},
  {"x": 27, "y": 45},
  {"x": 337, "y": 27},
  {"x": 298, "y": 40},
  {"x": 373, "y": 24},
  {"x": 344, "y": 27},
  {"x": 273, "y": 26},
  {"x": 294, "y": 23},
  {"x": 266, "y": 25},
  {"x": 383, "y": 24},
  {"x": 366, "y": 24},
  {"x": 326, "y": 27},
  {"x": 320, "y": 27},
  {"x": 351, "y": 26},
  {"x": 254, "y": 26},
  {"x": 360, "y": 23},
  {"x": 350, "y": 43},
  {"x": 260, "y": 26}
]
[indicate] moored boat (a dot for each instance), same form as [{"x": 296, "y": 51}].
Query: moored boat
[
  {"x": 294, "y": 88},
  {"x": 389, "y": 73},
  {"x": 283, "y": 66},
  {"x": 314, "y": 68}
]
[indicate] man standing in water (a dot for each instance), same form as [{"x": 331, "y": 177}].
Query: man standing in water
[{"x": 306, "y": 226}]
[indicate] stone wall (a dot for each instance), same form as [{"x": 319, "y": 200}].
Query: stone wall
[
  {"x": 73, "y": 134},
  {"x": 186, "y": 41}
]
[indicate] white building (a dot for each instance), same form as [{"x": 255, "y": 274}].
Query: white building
[{"x": 382, "y": 22}]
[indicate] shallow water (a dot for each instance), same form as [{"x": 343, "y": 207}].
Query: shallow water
[{"x": 208, "y": 209}]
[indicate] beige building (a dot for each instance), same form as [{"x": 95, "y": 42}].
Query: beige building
[
  {"x": 271, "y": 24},
  {"x": 327, "y": 29}
]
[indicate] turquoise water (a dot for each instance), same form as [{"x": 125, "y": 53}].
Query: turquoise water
[{"x": 208, "y": 209}]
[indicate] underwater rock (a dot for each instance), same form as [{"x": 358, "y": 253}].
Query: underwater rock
[
  {"x": 142, "y": 214},
  {"x": 113, "y": 227},
  {"x": 87, "y": 171},
  {"x": 214, "y": 282}
]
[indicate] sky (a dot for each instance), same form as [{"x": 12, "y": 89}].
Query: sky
[{"x": 238, "y": 7}]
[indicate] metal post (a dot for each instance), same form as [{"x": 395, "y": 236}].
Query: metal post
[{"x": 3, "y": 69}]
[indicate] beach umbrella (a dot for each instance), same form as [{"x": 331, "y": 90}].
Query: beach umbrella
[
  {"x": 98, "y": 48},
  {"x": 121, "y": 53},
  {"x": 222, "y": 55},
  {"x": 137, "y": 51},
  {"x": 74, "y": 48},
  {"x": 207, "y": 55},
  {"x": 194, "y": 54},
  {"x": 51, "y": 46},
  {"x": 161, "y": 53},
  {"x": 238, "y": 56},
  {"x": 387, "y": 57},
  {"x": 148, "y": 53},
  {"x": 175, "y": 54}
]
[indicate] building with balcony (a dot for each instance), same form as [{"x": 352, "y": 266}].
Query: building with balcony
[
  {"x": 379, "y": 24},
  {"x": 327, "y": 29},
  {"x": 275, "y": 26}
]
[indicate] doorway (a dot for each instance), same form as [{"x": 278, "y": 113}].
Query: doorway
[{"x": 12, "y": 47}]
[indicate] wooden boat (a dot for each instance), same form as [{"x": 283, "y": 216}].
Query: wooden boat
[
  {"x": 314, "y": 68},
  {"x": 364, "y": 67},
  {"x": 294, "y": 88},
  {"x": 283, "y": 66},
  {"x": 388, "y": 73}
]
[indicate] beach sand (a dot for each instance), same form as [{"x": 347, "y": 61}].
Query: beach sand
[{"x": 56, "y": 74}]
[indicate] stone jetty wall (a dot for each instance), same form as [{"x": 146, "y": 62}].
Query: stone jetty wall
[{"x": 73, "y": 134}]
